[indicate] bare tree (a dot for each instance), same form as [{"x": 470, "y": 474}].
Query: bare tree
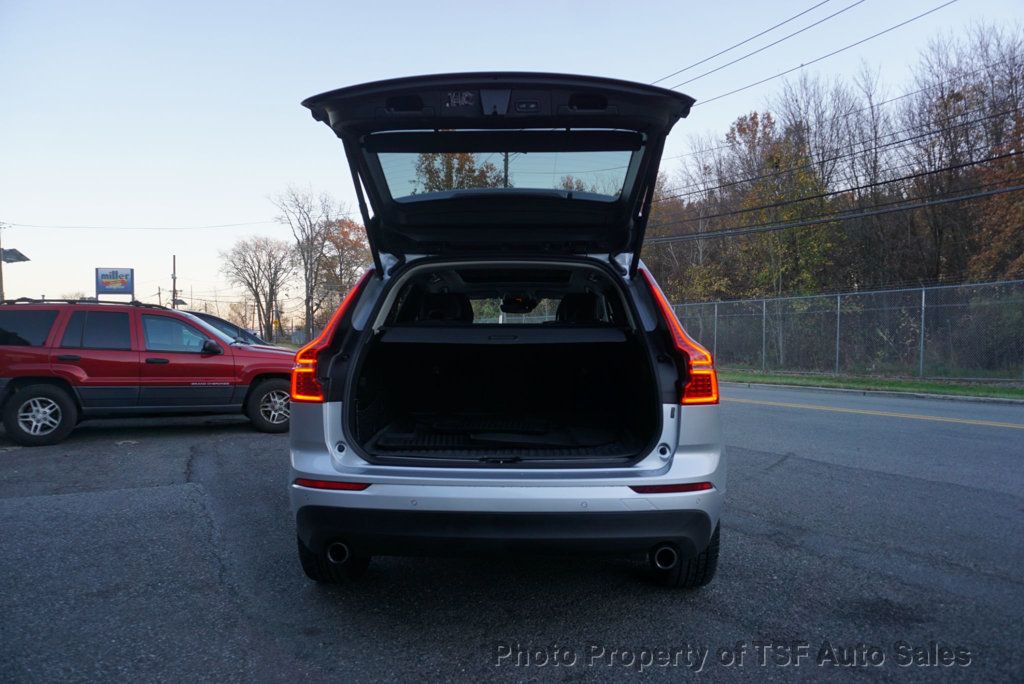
[
  {"x": 262, "y": 266},
  {"x": 813, "y": 111},
  {"x": 310, "y": 218},
  {"x": 239, "y": 313}
]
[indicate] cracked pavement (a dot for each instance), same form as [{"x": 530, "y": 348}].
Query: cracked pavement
[{"x": 163, "y": 549}]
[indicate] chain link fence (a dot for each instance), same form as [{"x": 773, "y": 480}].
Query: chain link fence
[{"x": 971, "y": 332}]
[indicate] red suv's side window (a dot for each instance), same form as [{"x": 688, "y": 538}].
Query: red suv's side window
[
  {"x": 167, "y": 334},
  {"x": 97, "y": 330},
  {"x": 26, "y": 328}
]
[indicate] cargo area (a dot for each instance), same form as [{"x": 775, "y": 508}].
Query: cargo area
[{"x": 514, "y": 367}]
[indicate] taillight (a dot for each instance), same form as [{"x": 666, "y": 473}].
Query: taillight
[
  {"x": 305, "y": 385},
  {"x": 672, "y": 488},
  {"x": 702, "y": 381}
]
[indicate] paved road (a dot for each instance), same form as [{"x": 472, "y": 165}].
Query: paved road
[{"x": 163, "y": 549}]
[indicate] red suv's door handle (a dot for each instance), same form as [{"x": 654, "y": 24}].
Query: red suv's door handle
[
  {"x": 69, "y": 357},
  {"x": 157, "y": 360}
]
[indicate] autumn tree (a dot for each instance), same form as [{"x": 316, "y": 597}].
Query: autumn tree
[
  {"x": 998, "y": 241},
  {"x": 441, "y": 171},
  {"x": 851, "y": 150},
  {"x": 572, "y": 184},
  {"x": 349, "y": 253},
  {"x": 695, "y": 269},
  {"x": 348, "y": 257},
  {"x": 262, "y": 266}
]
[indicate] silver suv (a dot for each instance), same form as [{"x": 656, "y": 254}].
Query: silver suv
[{"x": 508, "y": 377}]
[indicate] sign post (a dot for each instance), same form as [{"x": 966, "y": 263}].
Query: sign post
[
  {"x": 7, "y": 256},
  {"x": 120, "y": 281}
]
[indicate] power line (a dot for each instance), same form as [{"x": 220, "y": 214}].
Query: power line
[
  {"x": 830, "y": 54},
  {"x": 847, "y": 145},
  {"x": 897, "y": 144},
  {"x": 827, "y": 218},
  {"x": 838, "y": 157},
  {"x": 769, "y": 45},
  {"x": 221, "y": 225},
  {"x": 833, "y": 193},
  {"x": 875, "y": 105},
  {"x": 742, "y": 42}
]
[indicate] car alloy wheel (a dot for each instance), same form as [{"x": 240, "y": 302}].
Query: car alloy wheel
[
  {"x": 39, "y": 416},
  {"x": 275, "y": 407}
]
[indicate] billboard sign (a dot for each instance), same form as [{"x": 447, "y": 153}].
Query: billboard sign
[{"x": 115, "y": 281}]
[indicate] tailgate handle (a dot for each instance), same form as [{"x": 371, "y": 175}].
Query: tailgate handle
[
  {"x": 69, "y": 357},
  {"x": 153, "y": 359}
]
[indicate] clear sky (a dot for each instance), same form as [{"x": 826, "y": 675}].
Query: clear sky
[{"x": 178, "y": 114}]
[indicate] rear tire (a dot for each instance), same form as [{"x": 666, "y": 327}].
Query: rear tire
[
  {"x": 38, "y": 415},
  {"x": 691, "y": 573},
  {"x": 319, "y": 570},
  {"x": 269, "y": 405}
]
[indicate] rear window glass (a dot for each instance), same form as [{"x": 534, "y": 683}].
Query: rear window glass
[
  {"x": 598, "y": 173},
  {"x": 488, "y": 311},
  {"x": 25, "y": 328},
  {"x": 498, "y": 294},
  {"x": 417, "y": 307},
  {"x": 97, "y": 330}
]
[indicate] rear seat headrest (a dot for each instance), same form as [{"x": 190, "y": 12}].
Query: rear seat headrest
[
  {"x": 446, "y": 307},
  {"x": 578, "y": 307}
]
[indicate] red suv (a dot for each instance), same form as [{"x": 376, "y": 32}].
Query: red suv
[{"x": 61, "y": 362}]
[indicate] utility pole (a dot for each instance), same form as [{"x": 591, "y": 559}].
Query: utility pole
[
  {"x": 174, "y": 281},
  {"x": 159, "y": 298},
  {"x": 277, "y": 320},
  {"x": 506, "y": 170}
]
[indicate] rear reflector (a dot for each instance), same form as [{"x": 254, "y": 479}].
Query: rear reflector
[
  {"x": 672, "y": 488},
  {"x": 332, "y": 484}
]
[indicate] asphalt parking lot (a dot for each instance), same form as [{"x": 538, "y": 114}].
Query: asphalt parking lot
[{"x": 163, "y": 549}]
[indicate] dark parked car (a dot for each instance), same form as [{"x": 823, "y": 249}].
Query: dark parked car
[
  {"x": 62, "y": 362},
  {"x": 235, "y": 332}
]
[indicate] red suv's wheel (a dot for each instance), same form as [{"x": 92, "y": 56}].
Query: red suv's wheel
[
  {"x": 36, "y": 415},
  {"x": 269, "y": 405}
]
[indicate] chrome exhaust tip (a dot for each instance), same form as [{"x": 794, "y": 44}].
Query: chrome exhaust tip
[
  {"x": 338, "y": 553},
  {"x": 665, "y": 557}
]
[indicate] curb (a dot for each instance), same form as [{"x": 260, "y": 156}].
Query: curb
[{"x": 882, "y": 393}]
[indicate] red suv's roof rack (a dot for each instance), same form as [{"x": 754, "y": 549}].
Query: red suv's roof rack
[{"x": 30, "y": 300}]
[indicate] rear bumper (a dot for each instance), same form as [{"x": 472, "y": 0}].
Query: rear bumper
[{"x": 427, "y": 533}]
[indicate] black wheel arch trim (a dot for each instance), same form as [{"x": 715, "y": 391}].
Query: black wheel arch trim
[{"x": 8, "y": 386}]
